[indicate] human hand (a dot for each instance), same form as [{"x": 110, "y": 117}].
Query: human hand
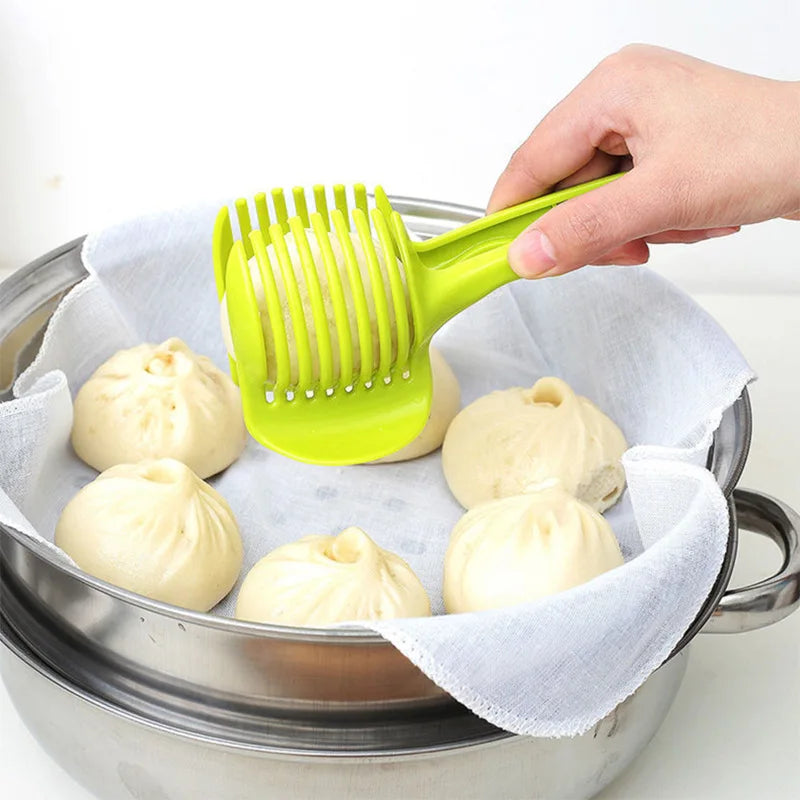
[{"x": 708, "y": 149}]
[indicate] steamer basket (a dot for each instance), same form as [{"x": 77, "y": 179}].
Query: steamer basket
[{"x": 137, "y": 666}]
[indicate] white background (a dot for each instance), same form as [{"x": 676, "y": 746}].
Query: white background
[{"x": 108, "y": 110}]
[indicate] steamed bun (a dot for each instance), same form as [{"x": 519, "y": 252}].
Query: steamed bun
[
  {"x": 154, "y": 528},
  {"x": 444, "y": 406},
  {"x": 316, "y": 255},
  {"x": 511, "y": 440},
  {"x": 518, "y": 549},
  {"x": 321, "y": 580},
  {"x": 159, "y": 401}
]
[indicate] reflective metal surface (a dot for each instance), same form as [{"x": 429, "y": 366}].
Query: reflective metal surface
[
  {"x": 133, "y": 747},
  {"x": 196, "y": 654},
  {"x": 186, "y": 706},
  {"x": 263, "y": 668},
  {"x": 770, "y": 600},
  {"x": 139, "y": 699},
  {"x": 27, "y": 299},
  {"x": 119, "y": 755}
]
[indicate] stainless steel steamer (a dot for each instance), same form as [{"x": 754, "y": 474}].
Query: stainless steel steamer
[{"x": 138, "y": 699}]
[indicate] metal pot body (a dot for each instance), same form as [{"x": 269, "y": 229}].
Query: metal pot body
[
  {"x": 263, "y": 669},
  {"x": 139, "y": 699},
  {"x": 119, "y": 757}
]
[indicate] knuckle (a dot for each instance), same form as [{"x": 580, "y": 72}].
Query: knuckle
[
  {"x": 586, "y": 227},
  {"x": 520, "y": 164},
  {"x": 637, "y": 51},
  {"x": 636, "y": 54},
  {"x": 620, "y": 61},
  {"x": 627, "y": 77}
]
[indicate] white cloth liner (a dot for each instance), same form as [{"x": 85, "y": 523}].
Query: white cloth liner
[{"x": 630, "y": 341}]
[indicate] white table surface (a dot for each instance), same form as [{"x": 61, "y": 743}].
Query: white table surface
[{"x": 734, "y": 730}]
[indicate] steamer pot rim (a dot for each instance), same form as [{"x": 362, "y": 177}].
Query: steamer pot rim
[
  {"x": 19, "y": 650},
  {"x": 67, "y": 260}
]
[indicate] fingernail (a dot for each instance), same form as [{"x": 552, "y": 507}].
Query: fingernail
[
  {"x": 531, "y": 254},
  {"x": 715, "y": 233},
  {"x": 626, "y": 262},
  {"x": 550, "y": 273}
]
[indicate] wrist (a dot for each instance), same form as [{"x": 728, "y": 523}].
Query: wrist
[{"x": 790, "y": 103}]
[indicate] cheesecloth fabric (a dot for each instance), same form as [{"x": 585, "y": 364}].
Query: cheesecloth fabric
[{"x": 625, "y": 338}]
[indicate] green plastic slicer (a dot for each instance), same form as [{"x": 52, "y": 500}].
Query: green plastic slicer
[{"x": 350, "y": 410}]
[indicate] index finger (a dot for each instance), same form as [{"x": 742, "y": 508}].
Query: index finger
[{"x": 563, "y": 143}]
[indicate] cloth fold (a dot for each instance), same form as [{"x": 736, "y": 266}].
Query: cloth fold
[{"x": 630, "y": 341}]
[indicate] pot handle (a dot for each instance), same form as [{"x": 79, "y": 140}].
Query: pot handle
[{"x": 768, "y": 601}]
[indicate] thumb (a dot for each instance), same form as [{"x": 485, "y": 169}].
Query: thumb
[{"x": 582, "y": 230}]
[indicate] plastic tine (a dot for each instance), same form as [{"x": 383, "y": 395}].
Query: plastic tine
[
  {"x": 360, "y": 193},
  {"x": 382, "y": 202},
  {"x": 300, "y": 206},
  {"x": 321, "y": 331},
  {"x": 336, "y": 291},
  {"x": 368, "y": 317},
  {"x": 357, "y": 293},
  {"x": 398, "y": 289},
  {"x": 281, "y": 378},
  {"x": 281, "y": 214},
  {"x": 262, "y": 214},
  {"x": 340, "y": 201},
  {"x": 246, "y": 323},
  {"x": 321, "y": 205},
  {"x": 296, "y": 313},
  {"x": 403, "y": 243},
  {"x": 222, "y": 246},
  {"x": 384, "y": 323},
  {"x": 243, "y": 213}
]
